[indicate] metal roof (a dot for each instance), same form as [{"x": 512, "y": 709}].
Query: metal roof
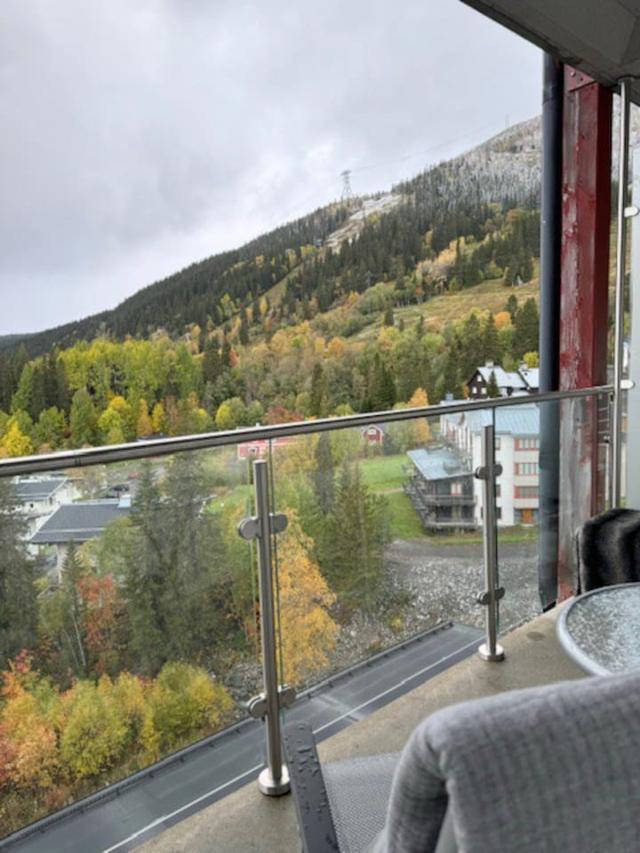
[
  {"x": 37, "y": 490},
  {"x": 600, "y": 37},
  {"x": 531, "y": 376},
  {"x": 504, "y": 378},
  {"x": 79, "y": 522},
  {"x": 520, "y": 420},
  {"x": 438, "y": 463}
]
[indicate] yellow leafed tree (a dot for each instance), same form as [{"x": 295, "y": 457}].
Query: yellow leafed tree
[
  {"x": 421, "y": 430},
  {"x": 308, "y": 631},
  {"x": 158, "y": 421},
  {"x": 15, "y": 442},
  {"x": 144, "y": 427}
]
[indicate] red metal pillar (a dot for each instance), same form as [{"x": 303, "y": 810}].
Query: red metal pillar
[{"x": 586, "y": 222}]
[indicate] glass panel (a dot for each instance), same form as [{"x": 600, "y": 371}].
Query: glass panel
[
  {"x": 547, "y": 449},
  {"x": 631, "y": 362},
  {"x": 129, "y": 628},
  {"x": 384, "y": 544}
]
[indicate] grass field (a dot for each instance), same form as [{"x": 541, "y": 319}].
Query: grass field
[
  {"x": 384, "y": 475},
  {"x": 235, "y": 498},
  {"x": 451, "y": 307}
]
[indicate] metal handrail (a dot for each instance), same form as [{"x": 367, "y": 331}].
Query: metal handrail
[{"x": 165, "y": 446}]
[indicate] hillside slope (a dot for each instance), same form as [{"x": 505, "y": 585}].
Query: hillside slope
[{"x": 446, "y": 200}]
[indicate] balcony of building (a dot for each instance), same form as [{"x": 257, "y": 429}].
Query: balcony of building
[
  {"x": 581, "y": 470},
  {"x": 391, "y": 640},
  {"x": 247, "y": 822}
]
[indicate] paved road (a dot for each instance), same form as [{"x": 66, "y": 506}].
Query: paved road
[{"x": 129, "y": 815}]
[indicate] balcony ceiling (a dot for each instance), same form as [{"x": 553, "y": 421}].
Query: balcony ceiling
[{"x": 600, "y": 37}]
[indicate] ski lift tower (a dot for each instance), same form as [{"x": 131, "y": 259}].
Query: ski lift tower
[{"x": 347, "y": 192}]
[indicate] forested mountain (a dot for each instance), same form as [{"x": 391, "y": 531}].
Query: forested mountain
[
  {"x": 312, "y": 318},
  {"x": 450, "y": 199}
]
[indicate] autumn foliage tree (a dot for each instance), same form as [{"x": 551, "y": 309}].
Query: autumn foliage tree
[{"x": 307, "y": 629}]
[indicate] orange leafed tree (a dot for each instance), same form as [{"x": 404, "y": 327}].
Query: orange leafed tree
[
  {"x": 100, "y": 598},
  {"x": 28, "y": 741}
]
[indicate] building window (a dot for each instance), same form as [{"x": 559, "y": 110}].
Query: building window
[
  {"x": 526, "y": 492},
  {"x": 456, "y": 488},
  {"x": 527, "y": 443},
  {"x": 526, "y": 469}
]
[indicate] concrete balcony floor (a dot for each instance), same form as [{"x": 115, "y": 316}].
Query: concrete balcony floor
[{"x": 247, "y": 822}]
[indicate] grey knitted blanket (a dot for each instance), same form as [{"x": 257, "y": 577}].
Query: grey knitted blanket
[{"x": 553, "y": 769}]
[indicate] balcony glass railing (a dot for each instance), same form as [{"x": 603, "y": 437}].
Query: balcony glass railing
[
  {"x": 555, "y": 473},
  {"x": 133, "y": 633}
]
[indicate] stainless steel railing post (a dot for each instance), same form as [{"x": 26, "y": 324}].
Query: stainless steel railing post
[
  {"x": 623, "y": 212},
  {"x": 274, "y": 779},
  {"x": 490, "y": 650}
]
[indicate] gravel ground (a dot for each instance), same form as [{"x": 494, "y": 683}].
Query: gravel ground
[{"x": 442, "y": 583}]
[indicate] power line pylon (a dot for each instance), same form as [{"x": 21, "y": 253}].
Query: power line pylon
[{"x": 347, "y": 192}]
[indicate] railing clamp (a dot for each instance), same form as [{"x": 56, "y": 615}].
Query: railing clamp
[
  {"x": 483, "y": 473},
  {"x": 485, "y": 597},
  {"x": 257, "y": 706},
  {"x": 249, "y": 528}
]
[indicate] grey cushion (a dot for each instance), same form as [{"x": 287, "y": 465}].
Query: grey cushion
[
  {"x": 358, "y": 791},
  {"x": 554, "y": 768}
]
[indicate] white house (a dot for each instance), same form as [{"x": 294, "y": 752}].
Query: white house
[
  {"x": 517, "y": 433},
  {"x": 37, "y": 498},
  {"x": 78, "y": 522}
]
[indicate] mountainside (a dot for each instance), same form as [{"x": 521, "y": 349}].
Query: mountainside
[
  {"x": 362, "y": 305},
  {"x": 444, "y": 199}
]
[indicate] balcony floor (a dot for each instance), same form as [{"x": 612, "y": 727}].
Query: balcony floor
[{"x": 247, "y": 822}]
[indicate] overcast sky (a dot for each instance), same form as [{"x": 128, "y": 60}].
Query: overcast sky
[{"x": 137, "y": 137}]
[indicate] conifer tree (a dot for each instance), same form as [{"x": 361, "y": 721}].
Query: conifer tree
[
  {"x": 527, "y": 322},
  {"x": 324, "y": 474},
  {"x": 382, "y": 389},
  {"x": 17, "y": 576},
  {"x": 83, "y": 419},
  {"x": 492, "y": 386},
  {"x": 210, "y": 360},
  {"x": 492, "y": 350},
  {"x": 225, "y": 356},
  {"x": 511, "y": 306},
  {"x": 318, "y": 399},
  {"x": 72, "y": 572},
  {"x": 353, "y": 547},
  {"x": 243, "y": 332}
]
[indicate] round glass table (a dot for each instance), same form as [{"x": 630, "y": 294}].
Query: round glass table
[{"x": 600, "y": 630}]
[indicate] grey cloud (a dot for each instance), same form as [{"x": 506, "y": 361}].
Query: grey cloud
[{"x": 137, "y": 137}]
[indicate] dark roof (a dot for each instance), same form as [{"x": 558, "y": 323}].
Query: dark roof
[
  {"x": 600, "y": 37},
  {"x": 79, "y": 522},
  {"x": 37, "y": 490}
]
